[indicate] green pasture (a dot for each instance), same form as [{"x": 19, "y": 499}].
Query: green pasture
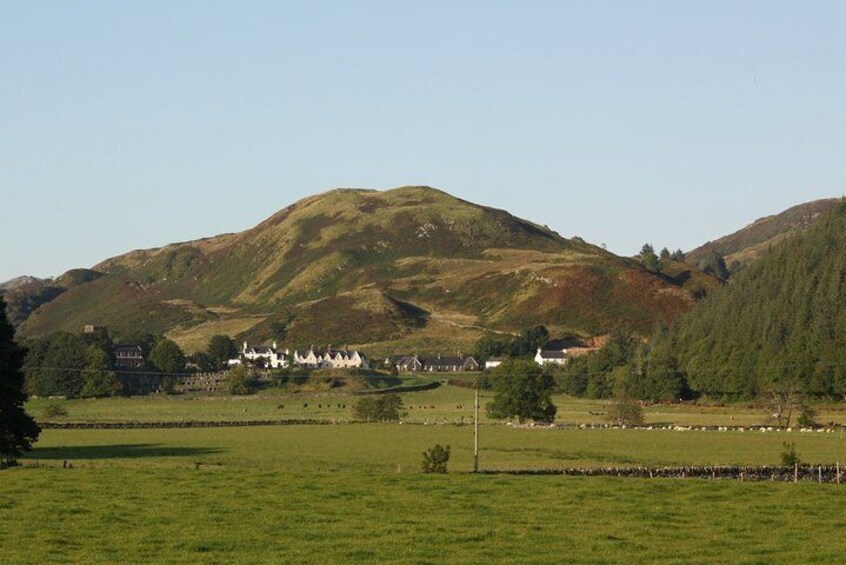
[
  {"x": 353, "y": 493},
  {"x": 444, "y": 404},
  {"x": 397, "y": 448}
]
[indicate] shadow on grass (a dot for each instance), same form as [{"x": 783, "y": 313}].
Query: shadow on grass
[{"x": 120, "y": 451}]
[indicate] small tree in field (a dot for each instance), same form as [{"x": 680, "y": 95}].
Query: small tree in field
[
  {"x": 378, "y": 408},
  {"x": 789, "y": 455},
  {"x": 522, "y": 390},
  {"x": 435, "y": 459},
  {"x": 625, "y": 410},
  {"x": 239, "y": 381},
  {"x": 54, "y": 410}
]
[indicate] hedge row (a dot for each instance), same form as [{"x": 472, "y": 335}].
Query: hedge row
[
  {"x": 399, "y": 389},
  {"x": 174, "y": 424},
  {"x": 816, "y": 473}
]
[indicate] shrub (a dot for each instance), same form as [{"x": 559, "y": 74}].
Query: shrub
[
  {"x": 807, "y": 416},
  {"x": 789, "y": 456},
  {"x": 239, "y": 381},
  {"x": 625, "y": 411},
  {"x": 435, "y": 459},
  {"x": 54, "y": 410},
  {"x": 378, "y": 408}
]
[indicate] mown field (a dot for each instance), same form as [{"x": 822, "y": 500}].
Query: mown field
[{"x": 353, "y": 492}]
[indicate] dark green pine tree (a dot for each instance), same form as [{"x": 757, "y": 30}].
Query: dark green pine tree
[
  {"x": 779, "y": 326},
  {"x": 17, "y": 429}
]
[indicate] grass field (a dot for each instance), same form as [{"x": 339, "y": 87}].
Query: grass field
[
  {"x": 354, "y": 493},
  {"x": 445, "y": 404},
  {"x": 184, "y": 516}
]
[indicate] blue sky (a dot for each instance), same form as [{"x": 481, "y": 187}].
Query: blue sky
[{"x": 130, "y": 125}]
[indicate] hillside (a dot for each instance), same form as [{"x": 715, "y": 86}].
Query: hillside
[
  {"x": 409, "y": 268},
  {"x": 746, "y": 245},
  {"x": 18, "y": 282},
  {"x": 24, "y": 295},
  {"x": 781, "y": 322}
]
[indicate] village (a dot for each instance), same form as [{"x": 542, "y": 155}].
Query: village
[{"x": 272, "y": 357}]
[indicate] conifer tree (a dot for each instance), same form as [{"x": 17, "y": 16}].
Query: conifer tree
[{"x": 17, "y": 429}]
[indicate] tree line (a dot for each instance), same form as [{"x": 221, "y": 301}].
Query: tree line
[
  {"x": 84, "y": 365},
  {"x": 778, "y": 330}
]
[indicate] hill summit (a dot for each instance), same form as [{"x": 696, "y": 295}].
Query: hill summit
[
  {"x": 408, "y": 268},
  {"x": 743, "y": 247}
]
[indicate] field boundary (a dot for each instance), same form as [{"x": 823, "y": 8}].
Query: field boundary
[
  {"x": 399, "y": 389},
  {"x": 178, "y": 424},
  {"x": 805, "y": 473}
]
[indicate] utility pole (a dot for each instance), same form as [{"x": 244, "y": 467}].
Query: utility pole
[{"x": 476, "y": 432}]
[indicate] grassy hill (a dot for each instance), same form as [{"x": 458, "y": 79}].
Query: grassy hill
[
  {"x": 411, "y": 268},
  {"x": 745, "y": 246}
]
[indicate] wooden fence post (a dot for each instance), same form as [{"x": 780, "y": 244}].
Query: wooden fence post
[{"x": 796, "y": 472}]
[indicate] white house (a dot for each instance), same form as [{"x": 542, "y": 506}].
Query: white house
[
  {"x": 553, "y": 357},
  {"x": 268, "y": 356},
  {"x": 331, "y": 359},
  {"x": 493, "y": 363}
]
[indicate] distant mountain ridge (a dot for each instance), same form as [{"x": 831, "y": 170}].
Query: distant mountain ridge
[
  {"x": 18, "y": 282},
  {"x": 746, "y": 245},
  {"x": 411, "y": 269}
]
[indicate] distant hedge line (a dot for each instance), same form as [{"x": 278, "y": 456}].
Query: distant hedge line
[
  {"x": 399, "y": 389},
  {"x": 174, "y": 424}
]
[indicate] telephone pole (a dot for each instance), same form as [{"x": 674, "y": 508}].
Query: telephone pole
[{"x": 476, "y": 432}]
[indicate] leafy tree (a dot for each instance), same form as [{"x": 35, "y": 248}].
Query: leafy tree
[
  {"x": 649, "y": 259},
  {"x": 98, "y": 378},
  {"x": 807, "y": 416},
  {"x": 17, "y": 429},
  {"x": 522, "y": 390},
  {"x": 167, "y": 357},
  {"x": 625, "y": 410},
  {"x": 590, "y": 375},
  {"x": 240, "y": 381},
  {"x": 378, "y": 408},
  {"x": 654, "y": 374},
  {"x": 488, "y": 347},
  {"x": 220, "y": 350},
  {"x": 435, "y": 459},
  {"x": 202, "y": 361},
  {"x": 529, "y": 341},
  {"x": 665, "y": 254},
  {"x": 678, "y": 255},
  {"x": 54, "y": 365}
]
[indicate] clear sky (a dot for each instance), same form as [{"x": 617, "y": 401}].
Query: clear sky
[{"x": 129, "y": 125}]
